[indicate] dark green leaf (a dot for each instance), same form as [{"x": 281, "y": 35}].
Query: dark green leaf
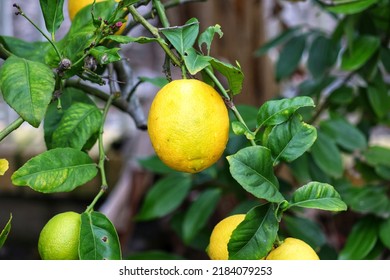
[
  {"x": 276, "y": 41},
  {"x": 322, "y": 55},
  {"x": 368, "y": 199},
  {"x": 105, "y": 55},
  {"x": 275, "y": 112},
  {"x": 54, "y": 115},
  {"x": 233, "y": 74},
  {"x": 351, "y": 7},
  {"x": 379, "y": 98},
  {"x": 27, "y": 86},
  {"x": 165, "y": 196},
  {"x": 384, "y": 232},
  {"x": 385, "y": 58},
  {"x": 345, "y": 134},
  {"x": 254, "y": 237},
  {"x": 155, "y": 165},
  {"x": 57, "y": 170},
  {"x": 79, "y": 123},
  {"x": 318, "y": 196},
  {"x": 182, "y": 37},
  {"x": 98, "y": 238},
  {"x": 199, "y": 212},
  {"x": 52, "y": 11},
  {"x": 342, "y": 95},
  {"x": 291, "y": 139},
  {"x": 363, "y": 47},
  {"x": 306, "y": 230},
  {"x": 361, "y": 240},
  {"x": 195, "y": 62},
  {"x": 290, "y": 56},
  {"x": 327, "y": 156},
  {"x": 208, "y": 35},
  {"x": 300, "y": 169},
  {"x": 252, "y": 168},
  {"x": 377, "y": 155},
  {"x": 4, "y": 233}
]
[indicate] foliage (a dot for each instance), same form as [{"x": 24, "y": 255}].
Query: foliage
[{"x": 282, "y": 132}]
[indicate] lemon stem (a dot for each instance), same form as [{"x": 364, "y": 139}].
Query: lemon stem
[
  {"x": 139, "y": 18},
  {"x": 13, "y": 126},
  {"x": 229, "y": 101}
]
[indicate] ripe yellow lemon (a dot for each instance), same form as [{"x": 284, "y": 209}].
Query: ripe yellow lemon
[
  {"x": 220, "y": 236},
  {"x": 293, "y": 249},
  {"x": 188, "y": 125},
  {"x": 59, "y": 238},
  {"x": 74, "y": 6}
]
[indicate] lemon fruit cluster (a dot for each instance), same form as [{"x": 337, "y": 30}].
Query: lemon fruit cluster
[
  {"x": 188, "y": 125},
  {"x": 74, "y": 6},
  {"x": 289, "y": 249},
  {"x": 59, "y": 238}
]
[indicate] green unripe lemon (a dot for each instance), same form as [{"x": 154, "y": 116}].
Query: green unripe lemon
[{"x": 60, "y": 237}]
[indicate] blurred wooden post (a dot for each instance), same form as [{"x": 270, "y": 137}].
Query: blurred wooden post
[{"x": 243, "y": 25}]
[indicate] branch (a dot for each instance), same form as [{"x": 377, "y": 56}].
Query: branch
[{"x": 13, "y": 126}]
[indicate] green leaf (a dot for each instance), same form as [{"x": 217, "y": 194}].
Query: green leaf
[
  {"x": 385, "y": 58},
  {"x": 57, "y": 170},
  {"x": 195, "y": 62},
  {"x": 252, "y": 168},
  {"x": 344, "y": 134},
  {"x": 361, "y": 240},
  {"x": 278, "y": 40},
  {"x": 4, "y": 233},
  {"x": 165, "y": 196},
  {"x": 362, "y": 48},
  {"x": 351, "y": 7},
  {"x": 233, "y": 74},
  {"x": 36, "y": 51},
  {"x": 378, "y": 155},
  {"x": 254, "y": 236},
  {"x": 182, "y": 37},
  {"x": 289, "y": 140},
  {"x": 318, "y": 196},
  {"x": 157, "y": 81},
  {"x": 379, "y": 99},
  {"x": 27, "y": 86},
  {"x": 128, "y": 39},
  {"x": 306, "y": 230},
  {"x": 54, "y": 115},
  {"x": 105, "y": 55},
  {"x": 322, "y": 55},
  {"x": 274, "y": 112},
  {"x": 368, "y": 199},
  {"x": 98, "y": 238},
  {"x": 342, "y": 95},
  {"x": 327, "y": 156},
  {"x": 53, "y": 14},
  {"x": 290, "y": 56},
  {"x": 208, "y": 35},
  {"x": 199, "y": 212},
  {"x": 384, "y": 232},
  {"x": 78, "y": 124}
]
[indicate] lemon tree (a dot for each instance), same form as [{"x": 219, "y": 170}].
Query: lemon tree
[{"x": 208, "y": 148}]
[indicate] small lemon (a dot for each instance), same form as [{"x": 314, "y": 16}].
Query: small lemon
[
  {"x": 293, "y": 249},
  {"x": 188, "y": 125},
  {"x": 220, "y": 236},
  {"x": 59, "y": 238}
]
